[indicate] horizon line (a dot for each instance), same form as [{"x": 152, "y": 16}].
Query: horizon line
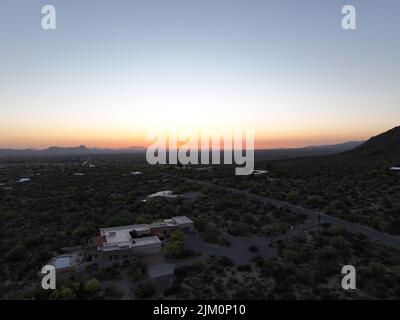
[{"x": 94, "y": 148}]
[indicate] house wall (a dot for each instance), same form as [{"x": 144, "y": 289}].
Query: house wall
[
  {"x": 120, "y": 257},
  {"x": 142, "y": 233},
  {"x": 186, "y": 226},
  {"x": 148, "y": 249},
  {"x": 166, "y": 230}
]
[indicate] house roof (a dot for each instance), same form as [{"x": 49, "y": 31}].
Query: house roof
[
  {"x": 164, "y": 194},
  {"x": 181, "y": 220},
  {"x": 120, "y": 238}
]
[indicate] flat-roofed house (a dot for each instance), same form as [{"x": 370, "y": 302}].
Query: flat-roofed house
[
  {"x": 121, "y": 245},
  {"x": 163, "y": 194},
  {"x": 116, "y": 246}
]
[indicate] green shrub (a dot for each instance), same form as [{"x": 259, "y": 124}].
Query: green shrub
[
  {"x": 145, "y": 291},
  {"x": 239, "y": 229},
  {"x": 63, "y": 293},
  {"x": 92, "y": 286},
  {"x": 244, "y": 268},
  {"x": 16, "y": 254},
  {"x": 253, "y": 248},
  {"x": 293, "y": 196}
]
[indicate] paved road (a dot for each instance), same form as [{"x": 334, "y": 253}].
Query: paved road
[{"x": 312, "y": 216}]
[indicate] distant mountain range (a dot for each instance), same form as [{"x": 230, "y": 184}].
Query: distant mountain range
[
  {"x": 385, "y": 145},
  {"x": 260, "y": 154},
  {"x": 55, "y": 151},
  {"x": 308, "y": 151}
]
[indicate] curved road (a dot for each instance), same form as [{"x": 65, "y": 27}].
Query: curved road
[{"x": 313, "y": 215}]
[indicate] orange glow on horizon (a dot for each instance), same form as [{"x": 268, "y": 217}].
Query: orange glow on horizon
[{"x": 114, "y": 140}]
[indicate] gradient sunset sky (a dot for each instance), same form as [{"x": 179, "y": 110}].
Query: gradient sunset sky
[{"x": 114, "y": 69}]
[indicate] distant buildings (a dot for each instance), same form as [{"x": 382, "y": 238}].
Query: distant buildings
[
  {"x": 204, "y": 168},
  {"x": 136, "y": 173},
  {"x": 163, "y": 194},
  {"x": 121, "y": 245},
  {"x": 259, "y": 172},
  {"x": 261, "y": 175}
]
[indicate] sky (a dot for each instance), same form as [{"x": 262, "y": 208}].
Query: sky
[{"x": 114, "y": 70}]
